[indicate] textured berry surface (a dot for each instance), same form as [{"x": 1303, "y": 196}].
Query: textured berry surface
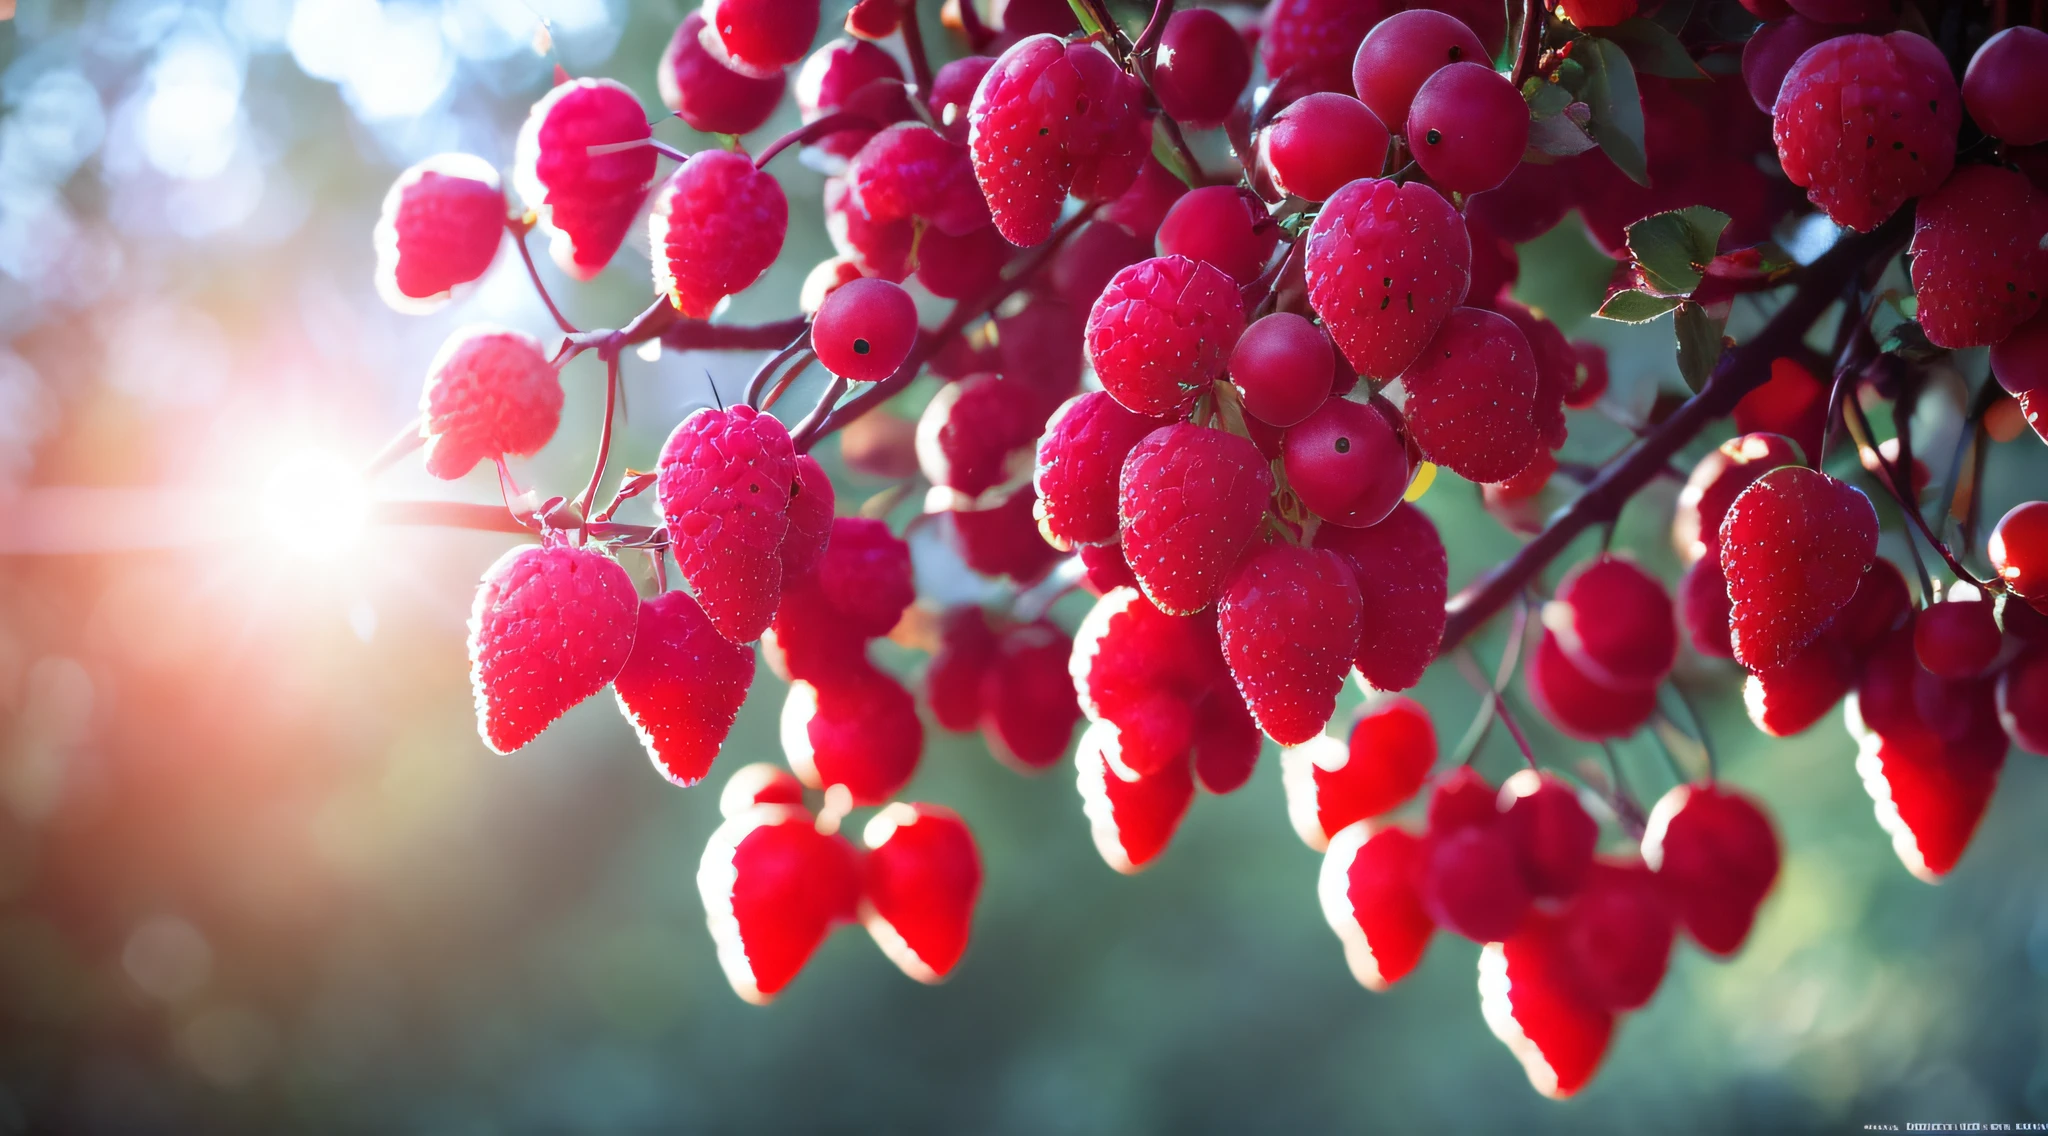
[
  {"x": 1979, "y": 268},
  {"x": 1316, "y": 39},
  {"x": 1289, "y": 618},
  {"x": 1385, "y": 264},
  {"x": 1865, "y": 122},
  {"x": 857, "y": 728},
  {"x": 1380, "y": 767},
  {"x": 2006, "y": 86},
  {"x": 724, "y": 482},
  {"x": 1080, "y": 461},
  {"x": 865, "y": 330},
  {"x": 440, "y": 228},
  {"x": 1468, "y": 127},
  {"x": 866, "y": 574},
  {"x": 1047, "y": 118},
  {"x": 586, "y": 201},
  {"x": 1400, "y": 54},
  {"x": 707, "y": 93},
  {"x": 1284, "y": 366},
  {"x": 811, "y": 501},
  {"x": 550, "y": 627},
  {"x": 922, "y": 877},
  {"x": 912, "y": 172},
  {"x": 1200, "y": 67},
  {"x": 1223, "y": 225},
  {"x": 1532, "y": 1001},
  {"x": 1162, "y": 331},
  {"x": 1616, "y": 623},
  {"x": 773, "y": 887},
  {"x": 490, "y": 393},
  {"x": 716, "y": 226},
  {"x": 682, "y": 687},
  {"x": 1367, "y": 888},
  {"x": 1403, "y": 578},
  {"x": 1321, "y": 142},
  {"x": 761, "y": 37},
  {"x": 1716, "y": 855},
  {"x": 1346, "y": 463},
  {"x": 1794, "y": 546},
  {"x": 974, "y": 435},
  {"x": 1716, "y": 482},
  {"x": 1132, "y": 820},
  {"x": 1190, "y": 500},
  {"x": 1472, "y": 397}
]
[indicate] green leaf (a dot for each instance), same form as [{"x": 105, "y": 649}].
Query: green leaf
[
  {"x": 1545, "y": 99},
  {"x": 1169, "y": 154},
  {"x": 1673, "y": 249},
  {"x": 1653, "y": 50},
  {"x": 1558, "y": 136},
  {"x": 1633, "y": 306},
  {"x": 1610, "y": 90},
  {"x": 1672, "y": 15},
  {"x": 1699, "y": 343}
]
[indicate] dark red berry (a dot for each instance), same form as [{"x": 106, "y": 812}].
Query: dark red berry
[
  {"x": 2018, "y": 550},
  {"x": 1190, "y": 501},
  {"x": 761, "y": 37},
  {"x": 1080, "y": 460},
  {"x": 1200, "y": 67},
  {"x": 1616, "y": 624},
  {"x": 2006, "y": 86},
  {"x": 1284, "y": 366},
  {"x": 1403, "y": 577},
  {"x": 1618, "y": 934},
  {"x": 1320, "y": 142},
  {"x": 1716, "y": 855},
  {"x": 1552, "y": 834},
  {"x": 1346, "y": 464},
  {"x": 952, "y": 683},
  {"x": 1866, "y": 122},
  {"x": 1579, "y": 707},
  {"x": 1716, "y": 482},
  {"x": 1794, "y": 546},
  {"x": 1468, "y": 127},
  {"x": 855, "y": 727},
  {"x": 1471, "y": 397},
  {"x": 705, "y": 92},
  {"x": 1288, "y": 618},
  {"x": 1222, "y": 225},
  {"x": 1401, "y": 54},
  {"x": 1957, "y": 639},
  {"x": 442, "y": 223},
  {"x": 1979, "y": 268}
]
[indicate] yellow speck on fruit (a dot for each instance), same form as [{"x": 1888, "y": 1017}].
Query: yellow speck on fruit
[{"x": 1425, "y": 476}]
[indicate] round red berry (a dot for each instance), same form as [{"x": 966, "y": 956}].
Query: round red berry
[
  {"x": 1284, "y": 366},
  {"x": 2023, "y": 701},
  {"x": 865, "y": 330},
  {"x": 1346, "y": 463},
  {"x": 1716, "y": 482},
  {"x": 705, "y": 92},
  {"x": 852, "y": 75},
  {"x": 1080, "y": 460},
  {"x": 583, "y": 166},
  {"x": 912, "y": 172},
  {"x": 1578, "y": 706},
  {"x": 490, "y": 393},
  {"x": 1552, "y": 834},
  {"x": 811, "y": 501},
  {"x": 1616, "y": 623},
  {"x": 1222, "y": 225},
  {"x": 1979, "y": 268},
  {"x": 773, "y": 887},
  {"x": 1957, "y": 639},
  {"x": 2020, "y": 361},
  {"x": 856, "y": 727},
  {"x": 1200, "y": 67},
  {"x": 761, "y": 37},
  {"x": 2018, "y": 550},
  {"x": 1618, "y": 934},
  {"x": 762, "y": 783},
  {"x": 1772, "y": 50},
  {"x": 922, "y": 877},
  {"x": 2006, "y": 86},
  {"x": 1400, "y": 54},
  {"x": 1468, "y": 127},
  {"x": 1716, "y": 855},
  {"x": 1367, "y": 888},
  {"x": 953, "y": 92},
  {"x": 1027, "y": 697},
  {"x": 1321, "y": 142},
  {"x": 440, "y": 228}
]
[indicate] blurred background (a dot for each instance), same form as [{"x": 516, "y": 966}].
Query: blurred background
[{"x": 257, "y": 873}]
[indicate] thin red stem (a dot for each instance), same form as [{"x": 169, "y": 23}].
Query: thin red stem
[
  {"x": 812, "y": 131},
  {"x": 913, "y": 46},
  {"x": 1531, "y": 42},
  {"x": 604, "y": 437},
  {"x": 519, "y": 230}
]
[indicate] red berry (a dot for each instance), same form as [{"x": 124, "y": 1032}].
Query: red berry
[
  {"x": 1789, "y": 698},
  {"x": 1400, "y": 54},
  {"x": 2018, "y": 549},
  {"x": 1003, "y": 540},
  {"x": 1533, "y": 479},
  {"x": 1143, "y": 207},
  {"x": 1552, "y": 834},
  {"x": 761, "y": 783},
  {"x": 1471, "y": 397},
  {"x": 682, "y": 687},
  {"x": 1106, "y": 569},
  {"x": 1288, "y": 618},
  {"x": 697, "y": 84},
  {"x": 1591, "y": 375},
  {"x": 1979, "y": 268},
  {"x": 1161, "y": 333},
  {"x": 773, "y": 888},
  {"x": 953, "y": 92},
  {"x": 2023, "y": 701},
  {"x": 1716, "y": 482},
  {"x": 1142, "y": 671},
  {"x": 1320, "y": 142},
  {"x": 1468, "y": 127},
  {"x": 1495, "y": 266},
  {"x": 2020, "y": 362},
  {"x": 1557, "y": 370},
  {"x": 952, "y": 683},
  {"x": 1050, "y": 117},
  {"x": 1331, "y": 785},
  {"x": 490, "y": 393},
  {"x": 1880, "y": 602},
  {"x": 1368, "y": 895},
  {"x": 912, "y": 172},
  {"x": 853, "y": 75},
  {"x": 724, "y": 483},
  {"x": 975, "y": 435},
  {"x": 760, "y": 37},
  {"x": 1487, "y": 20},
  {"x": 1385, "y": 265},
  {"x": 959, "y": 268},
  {"x": 876, "y": 248},
  {"x": 1772, "y": 50},
  {"x": 1618, "y": 934},
  {"x": 1462, "y": 798},
  {"x": 1190, "y": 500},
  {"x": 1225, "y": 226},
  {"x": 1346, "y": 464},
  {"x": 1579, "y": 707},
  {"x": 1616, "y": 624},
  {"x": 1080, "y": 459},
  {"x": 923, "y": 876},
  {"x": 1794, "y": 546},
  {"x": 2006, "y": 86},
  {"x": 716, "y": 226},
  {"x": 1315, "y": 39},
  {"x": 1132, "y": 820},
  {"x": 856, "y": 727},
  {"x": 874, "y": 19},
  {"x": 440, "y": 228},
  {"x": 1533, "y": 1002},
  {"x": 809, "y": 638},
  {"x": 1716, "y": 855},
  {"x": 585, "y": 200},
  {"x": 1957, "y": 639},
  {"x": 866, "y": 575},
  {"x": 1470, "y": 883},
  {"x": 811, "y": 501},
  {"x": 1793, "y": 403},
  {"x": 550, "y": 627},
  {"x": 1529, "y": 204},
  {"x": 865, "y": 330},
  {"x": 1596, "y": 13},
  {"x": 1227, "y": 741},
  {"x": 1865, "y": 122},
  {"x": 1284, "y": 366},
  {"x": 1096, "y": 253},
  {"x": 1027, "y": 697},
  {"x": 1042, "y": 345},
  {"x": 1200, "y": 67},
  {"x": 1403, "y": 578}
]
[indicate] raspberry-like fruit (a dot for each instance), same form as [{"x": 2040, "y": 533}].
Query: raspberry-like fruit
[
  {"x": 1321, "y": 142},
  {"x": 1132, "y": 820},
  {"x": 1330, "y": 784},
  {"x": 1346, "y": 463},
  {"x": 1080, "y": 461},
  {"x": 1284, "y": 366},
  {"x": 550, "y": 627},
  {"x": 922, "y": 876},
  {"x": 1979, "y": 268},
  {"x": 1468, "y": 127},
  {"x": 1789, "y": 698},
  {"x": 724, "y": 479},
  {"x": 952, "y": 683},
  {"x": 583, "y": 167},
  {"x": 866, "y": 574},
  {"x": 976, "y": 434},
  {"x": 1050, "y": 117},
  {"x": 1190, "y": 500},
  {"x": 1534, "y": 1003},
  {"x": 761, "y": 783},
  {"x": 682, "y": 687},
  {"x": 1288, "y": 618},
  {"x": 1200, "y": 67},
  {"x": 2020, "y": 362},
  {"x": 1865, "y": 122},
  {"x": 716, "y": 226},
  {"x": 1579, "y": 707},
  {"x": 1367, "y": 888},
  {"x": 705, "y": 92},
  {"x": 1401, "y": 54},
  {"x": 857, "y": 727},
  {"x": 865, "y": 330},
  {"x": 1716, "y": 482},
  {"x": 1616, "y": 624},
  {"x": 490, "y": 393},
  {"x": 1311, "y": 42},
  {"x": 1552, "y": 834},
  {"x": 1227, "y": 741},
  {"x": 2005, "y": 87},
  {"x": 1162, "y": 331},
  {"x": 1794, "y": 546},
  {"x": 1618, "y": 934},
  {"x": 1385, "y": 265},
  {"x": 911, "y": 171},
  {"x": 1716, "y": 855},
  {"x": 761, "y": 37},
  {"x": 1142, "y": 671},
  {"x": 811, "y": 501},
  {"x": 1027, "y": 697},
  {"x": 1557, "y": 370},
  {"x": 1472, "y": 395},
  {"x": 853, "y": 75},
  {"x": 1403, "y": 577},
  {"x": 1957, "y": 639},
  {"x": 1222, "y": 225},
  {"x": 773, "y": 887},
  {"x": 440, "y": 228},
  {"x": 1003, "y": 540}
]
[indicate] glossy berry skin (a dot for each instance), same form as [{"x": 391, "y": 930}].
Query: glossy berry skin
[
  {"x": 1618, "y": 934},
  {"x": 1865, "y": 122},
  {"x": 1557, "y": 370},
  {"x": 682, "y": 686},
  {"x": 1367, "y": 888},
  {"x": 854, "y": 75},
  {"x": 1132, "y": 820},
  {"x": 1331, "y": 785},
  {"x": 1200, "y": 67},
  {"x": 773, "y": 887},
  {"x": 952, "y": 683},
  {"x": 1080, "y": 460},
  {"x": 1794, "y": 546},
  {"x": 716, "y": 226},
  {"x": 1552, "y": 834},
  {"x": 866, "y": 575},
  {"x": 2005, "y": 87},
  {"x": 1321, "y": 142},
  {"x": 811, "y": 501},
  {"x": 1793, "y": 402},
  {"x": 1716, "y": 856},
  {"x": 856, "y": 727},
  {"x": 1142, "y": 208},
  {"x": 1468, "y": 127},
  {"x": 1403, "y": 578},
  {"x": 1957, "y": 639},
  {"x": 761, "y": 783},
  {"x": 974, "y": 434},
  {"x": 1283, "y": 365},
  {"x": 1716, "y": 482},
  {"x": 1400, "y": 54},
  {"x": 1769, "y": 54},
  {"x": 1316, "y": 39},
  {"x": 2023, "y": 701},
  {"x": 1048, "y": 118},
  {"x": 952, "y": 93},
  {"x": 440, "y": 228},
  {"x": 1579, "y": 707},
  {"x": 922, "y": 877},
  {"x": 585, "y": 201},
  {"x": 1616, "y": 623},
  {"x": 723, "y": 485},
  {"x": 2020, "y": 362},
  {"x": 1288, "y": 618},
  {"x": 1471, "y": 397},
  {"x": 865, "y": 330},
  {"x": 1162, "y": 331},
  {"x": 1222, "y": 225},
  {"x": 1385, "y": 264},
  {"x": 1533, "y": 1002},
  {"x": 1789, "y": 698},
  {"x": 960, "y": 268},
  {"x": 809, "y": 638},
  {"x": 1470, "y": 883},
  {"x": 2018, "y": 550},
  {"x": 1979, "y": 270},
  {"x": 1227, "y": 741},
  {"x": 705, "y": 92},
  {"x": 760, "y": 37},
  {"x": 912, "y": 172},
  {"x": 490, "y": 393},
  {"x": 1027, "y": 697},
  {"x": 1346, "y": 463},
  {"x": 549, "y": 628},
  {"x": 1190, "y": 501}
]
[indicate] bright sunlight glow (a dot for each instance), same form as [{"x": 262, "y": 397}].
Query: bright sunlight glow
[{"x": 314, "y": 504}]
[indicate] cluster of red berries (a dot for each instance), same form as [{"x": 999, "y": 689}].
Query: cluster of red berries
[{"x": 1279, "y": 362}]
